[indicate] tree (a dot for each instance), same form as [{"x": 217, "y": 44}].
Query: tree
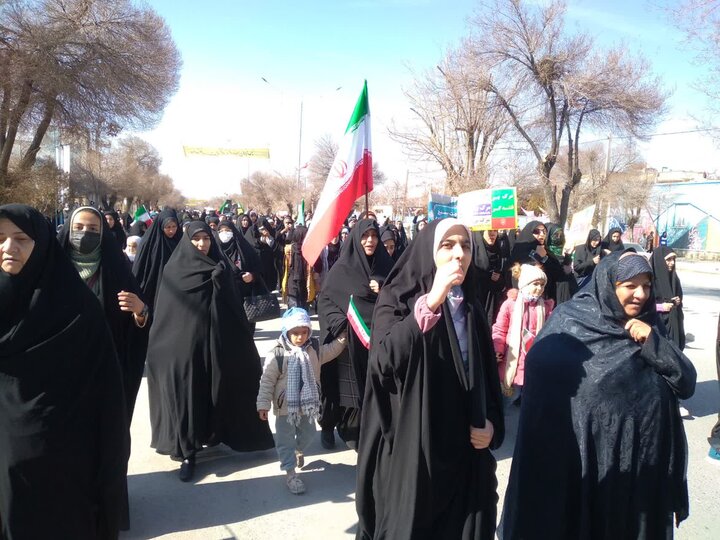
[
  {"x": 699, "y": 20},
  {"x": 552, "y": 84},
  {"x": 460, "y": 122},
  {"x": 87, "y": 66}
]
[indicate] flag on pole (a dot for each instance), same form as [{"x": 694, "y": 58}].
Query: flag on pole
[
  {"x": 142, "y": 215},
  {"x": 225, "y": 206},
  {"x": 350, "y": 178},
  {"x": 358, "y": 324},
  {"x": 301, "y": 213}
]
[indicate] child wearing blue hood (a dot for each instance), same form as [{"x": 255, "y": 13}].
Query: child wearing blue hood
[{"x": 291, "y": 382}]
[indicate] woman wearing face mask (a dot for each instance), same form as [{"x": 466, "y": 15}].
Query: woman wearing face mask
[
  {"x": 432, "y": 408},
  {"x": 158, "y": 245},
  {"x": 613, "y": 463},
  {"x": 587, "y": 257},
  {"x": 358, "y": 273},
  {"x": 101, "y": 266},
  {"x": 64, "y": 439},
  {"x": 668, "y": 294},
  {"x": 202, "y": 364}
]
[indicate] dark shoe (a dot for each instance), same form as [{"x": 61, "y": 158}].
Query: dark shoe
[
  {"x": 187, "y": 470},
  {"x": 327, "y": 439}
]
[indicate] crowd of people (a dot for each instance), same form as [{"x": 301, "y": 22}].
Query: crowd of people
[{"x": 426, "y": 339}]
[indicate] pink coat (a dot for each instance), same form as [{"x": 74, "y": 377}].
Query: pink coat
[{"x": 501, "y": 329}]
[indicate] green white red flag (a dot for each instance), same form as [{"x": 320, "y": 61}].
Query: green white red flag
[
  {"x": 350, "y": 178},
  {"x": 358, "y": 325},
  {"x": 142, "y": 215}
]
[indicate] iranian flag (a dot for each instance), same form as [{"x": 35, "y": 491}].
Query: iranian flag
[
  {"x": 358, "y": 325},
  {"x": 142, "y": 215},
  {"x": 350, "y": 178}
]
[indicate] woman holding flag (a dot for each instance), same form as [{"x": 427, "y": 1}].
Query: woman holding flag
[{"x": 349, "y": 295}]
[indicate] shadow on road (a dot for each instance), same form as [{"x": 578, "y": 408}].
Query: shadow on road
[
  {"x": 705, "y": 400},
  {"x": 160, "y": 504}
]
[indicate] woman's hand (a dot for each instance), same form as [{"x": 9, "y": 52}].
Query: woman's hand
[
  {"x": 247, "y": 277},
  {"x": 480, "y": 438},
  {"x": 540, "y": 250},
  {"x": 130, "y": 302},
  {"x": 374, "y": 286},
  {"x": 494, "y": 276},
  {"x": 639, "y": 330},
  {"x": 667, "y": 306},
  {"x": 596, "y": 259},
  {"x": 447, "y": 275},
  {"x": 263, "y": 414}
]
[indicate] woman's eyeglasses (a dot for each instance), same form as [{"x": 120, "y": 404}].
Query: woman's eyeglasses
[{"x": 539, "y": 231}]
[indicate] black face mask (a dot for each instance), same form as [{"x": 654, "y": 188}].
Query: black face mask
[{"x": 84, "y": 241}]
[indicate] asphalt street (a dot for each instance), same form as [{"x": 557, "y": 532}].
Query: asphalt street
[{"x": 244, "y": 496}]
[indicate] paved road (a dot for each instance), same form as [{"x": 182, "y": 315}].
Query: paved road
[{"x": 243, "y": 496}]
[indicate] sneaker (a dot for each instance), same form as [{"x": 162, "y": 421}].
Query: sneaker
[
  {"x": 300, "y": 457},
  {"x": 295, "y": 485},
  {"x": 714, "y": 455},
  {"x": 684, "y": 413}
]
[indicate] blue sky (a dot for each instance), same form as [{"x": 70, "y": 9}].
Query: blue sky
[{"x": 307, "y": 49}]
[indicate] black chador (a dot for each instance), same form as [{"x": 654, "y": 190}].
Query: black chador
[
  {"x": 490, "y": 260},
  {"x": 601, "y": 450},
  {"x": 64, "y": 440},
  {"x": 203, "y": 367},
  {"x": 419, "y": 477},
  {"x": 155, "y": 252},
  {"x": 343, "y": 379},
  {"x": 111, "y": 275},
  {"x": 667, "y": 286}
]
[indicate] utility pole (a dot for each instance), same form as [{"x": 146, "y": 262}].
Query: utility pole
[{"x": 606, "y": 210}]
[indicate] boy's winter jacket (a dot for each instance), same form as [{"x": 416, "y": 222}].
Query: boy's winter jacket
[{"x": 273, "y": 383}]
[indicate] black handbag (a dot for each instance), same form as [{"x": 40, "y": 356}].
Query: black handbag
[{"x": 262, "y": 307}]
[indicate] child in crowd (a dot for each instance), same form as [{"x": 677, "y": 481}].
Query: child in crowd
[
  {"x": 291, "y": 382},
  {"x": 520, "y": 319}
]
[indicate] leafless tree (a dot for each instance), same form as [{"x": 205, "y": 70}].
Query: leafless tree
[
  {"x": 459, "y": 121},
  {"x": 82, "y": 65},
  {"x": 552, "y": 84},
  {"x": 699, "y": 20}
]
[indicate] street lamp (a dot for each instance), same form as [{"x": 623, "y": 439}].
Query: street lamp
[{"x": 299, "y": 162}]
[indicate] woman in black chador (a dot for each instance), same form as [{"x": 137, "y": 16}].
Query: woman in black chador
[
  {"x": 587, "y": 257},
  {"x": 613, "y": 240},
  {"x": 433, "y": 405},
  {"x": 531, "y": 247},
  {"x": 115, "y": 227},
  {"x": 359, "y": 272},
  {"x": 202, "y": 364},
  {"x": 159, "y": 242},
  {"x": 64, "y": 440},
  {"x": 601, "y": 450},
  {"x": 490, "y": 257},
  {"x": 668, "y": 294}
]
